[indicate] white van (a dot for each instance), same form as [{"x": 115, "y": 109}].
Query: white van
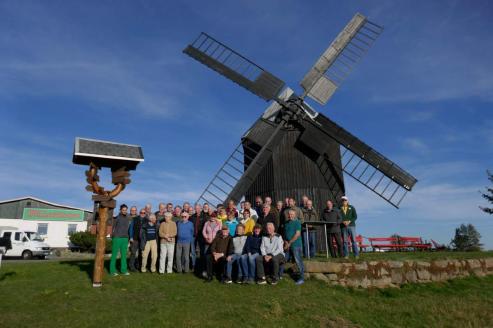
[{"x": 26, "y": 244}]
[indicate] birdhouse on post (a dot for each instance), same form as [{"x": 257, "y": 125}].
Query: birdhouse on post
[{"x": 121, "y": 159}]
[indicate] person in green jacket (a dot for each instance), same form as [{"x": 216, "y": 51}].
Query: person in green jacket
[{"x": 348, "y": 227}]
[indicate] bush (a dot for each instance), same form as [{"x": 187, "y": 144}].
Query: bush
[{"x": 87, "y": 241}]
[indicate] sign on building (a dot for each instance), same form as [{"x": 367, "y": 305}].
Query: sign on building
[{"x": 44, "y": 214}]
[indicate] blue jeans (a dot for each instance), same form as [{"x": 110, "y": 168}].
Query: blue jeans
[
  {"x": 193, "y": 252},
  {"x": 296, "y": 252},
  {"x": 349, "y": 232},
  {"x": 312, "y": 242},
  {"x": 252, "y": 266},
  {"x": 241, "y": 262}
]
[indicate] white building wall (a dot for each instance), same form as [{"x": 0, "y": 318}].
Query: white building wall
[{"x": 57, "y": 235}]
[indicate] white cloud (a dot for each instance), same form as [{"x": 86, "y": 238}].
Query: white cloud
[{"x": 416, "y": 145}]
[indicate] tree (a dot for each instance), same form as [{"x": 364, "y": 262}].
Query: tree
[
  {"x": 86, "y": 241},
  {"x": 488, "y": 195},
  {"x": 466, "y": 238}
]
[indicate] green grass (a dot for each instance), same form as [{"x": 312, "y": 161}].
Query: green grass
[
  {"x": 59, "y": 294},
  {"x": 417, "y": 256}
]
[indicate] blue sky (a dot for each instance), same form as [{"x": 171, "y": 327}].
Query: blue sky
[{"x": 114, "y": 70}]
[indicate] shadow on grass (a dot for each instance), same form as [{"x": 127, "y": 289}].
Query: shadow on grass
[
  {"x": 86, "y": 266},
  {"x": 6, "y": 275}
]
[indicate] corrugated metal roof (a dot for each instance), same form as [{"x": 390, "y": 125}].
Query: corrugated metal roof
[{"x": 42, "y": 201}]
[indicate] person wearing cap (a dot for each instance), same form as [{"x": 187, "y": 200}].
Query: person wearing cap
[
  {"x": 252, "y": 248},
  {"x": 348, "y": 227},
  {"x": 271, "y": 253},
  {"x": 184, "y": 238},
  {"x": 220, "y": 254}
]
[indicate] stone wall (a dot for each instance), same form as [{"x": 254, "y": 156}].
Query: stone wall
[{"x": 382, "y": 274}]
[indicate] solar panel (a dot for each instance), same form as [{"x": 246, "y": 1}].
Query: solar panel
[{"x": 106, "y": 154}]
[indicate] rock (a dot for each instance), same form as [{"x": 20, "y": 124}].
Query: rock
[
  {"x": 383, "y": 271},
  {"x": 488, "y": 263},
  {"x": 346, "y": 268},
  {"x": 361, "y": 266},
  {"x": 409, "y": 263},
  {"x": 423, "y": 274},
  {"x": 422, "y": 264},
  {"x": 332, "y": 276},
  {"x": 395, "y": 264},
  {"x": 322, "y": 267},
  {"x": 382, "y": 282},
  {"x": 474, "y": 264},
  {"x": 441, "y": 264},
  {"x": 321, "y": 276},
  {"x": 396, "y": 277},
  {"x": 373, "y": 263},
  {"x": 411, "y": 276},
  {"x": 435, "y": 277},
  {"x": 363, "y": 282}
]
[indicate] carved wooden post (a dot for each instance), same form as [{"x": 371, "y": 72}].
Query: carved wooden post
[
  {"x": 121, "y": 158},
  {"x": 106, "y": 201}
]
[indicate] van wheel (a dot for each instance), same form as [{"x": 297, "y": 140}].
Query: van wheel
[{"x": 26, "y": 255}]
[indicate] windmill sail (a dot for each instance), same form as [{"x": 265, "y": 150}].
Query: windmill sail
[
  {"x": 234, "y": 66},
  {"x": 360, "y": 161},
  {"x": 335, "y": 64}
]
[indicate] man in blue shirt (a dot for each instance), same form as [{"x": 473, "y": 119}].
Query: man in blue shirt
[
  {"x": 292, "y": 243},
  {"x": 184, "y": 240}
]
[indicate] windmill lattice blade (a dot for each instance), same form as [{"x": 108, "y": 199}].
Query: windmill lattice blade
[
  {"x": 365, "y": 164},
  {"x": 335, "y": 64},
  {"x": 234, "y": 66},
  {"x": 240, "y": 170}
]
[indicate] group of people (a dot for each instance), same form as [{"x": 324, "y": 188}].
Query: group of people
[{"x": 250, "y": 243}]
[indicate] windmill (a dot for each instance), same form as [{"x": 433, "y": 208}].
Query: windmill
[{"x": 292, "y": 150}]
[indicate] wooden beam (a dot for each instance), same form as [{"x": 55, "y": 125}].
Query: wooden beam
[
  {"x": 118, "y": 174},
  {"x": 101, "y": 198},
  {"x": 122, "y": 180}
]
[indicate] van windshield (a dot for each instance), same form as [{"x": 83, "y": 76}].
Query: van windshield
[{"x": 34, "y": 236}]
